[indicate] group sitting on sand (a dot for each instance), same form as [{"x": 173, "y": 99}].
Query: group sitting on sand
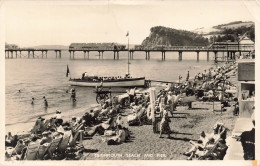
[
  {"x": 112, "y": 119},
  {"x": 209, "y": 146}
]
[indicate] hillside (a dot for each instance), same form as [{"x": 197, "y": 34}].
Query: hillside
[
  {"x": 172, "y": 37},
  {"x": 160, "y": 35},
  {"x": 230, "y": 31},
  {"x": 234, "y": 25}
]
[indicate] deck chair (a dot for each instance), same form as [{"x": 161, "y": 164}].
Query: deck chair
[
  {"x": 73, "y": 141},
  {"x": 64, "y": 144},
  {"x": 42, "y": 151},
  {"x": 31, "y": 152},
  {"x": 46, "y": 124},
  {"x": 209, "y": 153},
  {"x": 54, "y": 145}
]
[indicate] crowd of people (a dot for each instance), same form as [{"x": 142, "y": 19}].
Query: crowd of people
[
  {"x": 111, "y": 121},
  {"x": 209, "y": 146}
]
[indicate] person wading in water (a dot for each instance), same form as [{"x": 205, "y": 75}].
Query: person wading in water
[
  {"x": 73, "y": 95},
  {"x": 45, "y": 101}
]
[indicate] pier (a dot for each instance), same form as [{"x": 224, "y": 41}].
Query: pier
[
  {"x": 43, "y": 53},
  {"x": 30, "y": 53},
  {"x": 231, "y": 53}
]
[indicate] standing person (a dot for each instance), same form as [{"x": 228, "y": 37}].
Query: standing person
[
  {"x": 101, "y": 84},
  {"x": 32, "y": 101},
  {"x": 73, "y": 94},
  {"x": 210, "y": 74},
  {"x": 170, "y": 102},
  {"x": 188, "y": 76},
  {"x": 45, "y": 101},
  {"x": 84, "y": 75},
  {"x": 180, "y": 77},
  {"x": 205, "y": 74},
  {"x": 162, "y": 103},
  {"x": 132, "y": 94},
  {"x": 236, "y": 107},
  {"x": 164, "y": 126}
]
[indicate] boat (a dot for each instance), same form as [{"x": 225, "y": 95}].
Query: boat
[{"x": 95, "y": 81}]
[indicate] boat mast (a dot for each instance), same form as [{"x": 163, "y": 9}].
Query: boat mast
[{"x": 128, "y": 54}]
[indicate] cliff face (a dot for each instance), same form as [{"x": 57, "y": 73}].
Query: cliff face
[{"x": 172, "y": 37}]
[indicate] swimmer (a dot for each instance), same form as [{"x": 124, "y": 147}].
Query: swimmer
[{"x": 32, "y": 101}]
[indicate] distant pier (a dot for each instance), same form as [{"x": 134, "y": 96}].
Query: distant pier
[
  {"x": 30, "y": 53},
  {"x": 43, "y": 53}
]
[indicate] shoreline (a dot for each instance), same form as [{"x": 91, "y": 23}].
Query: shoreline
[
  {"x": 186, "y": 124},
  {"x": 80, "y": 111}
]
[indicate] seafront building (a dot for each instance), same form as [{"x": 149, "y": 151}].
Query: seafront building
[
  {"x": 96, "y": 46},
  {"x": 11, "y": 46},
  {"x": 244, "y": 43},
  {"x": 246, "y": 100}
]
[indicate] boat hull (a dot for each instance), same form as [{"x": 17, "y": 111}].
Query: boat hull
[{"x": 139, "y": 82}]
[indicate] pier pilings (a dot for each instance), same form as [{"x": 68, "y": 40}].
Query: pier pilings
[
  {"x": 228, "y": 54},
  {"x": 163, "y": 55},
  {"x": 198, "y": 55},
  {"x": 116, "y": 55},
  {"x": 58, "y": 54},
  {"x": 147, "y": 55},
  {"x": 131, "y": 55},
  {"x": 180, "y": 55}
]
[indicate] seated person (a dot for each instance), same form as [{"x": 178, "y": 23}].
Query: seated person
[
  {"x": 206, "y": 142},
  {"x": 11, "y": 140},
  {"x": 58, "y": 117},
  {"x": 39, "y": 126},
  {"x": 88, "y": 119},
  {"x": 17, "y": 150},
  {"x": 93, "y": 117},
  {"x": 201, "y": 143},
  {"x": 8, "y": 139},
  {"x": 33, "y": 140},
  {"x": 46, "y": 138},
  {"x": 119, "y": 138},
  {"x": 56, "y": 134}
]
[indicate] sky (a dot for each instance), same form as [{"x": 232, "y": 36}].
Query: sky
[{"x": 29, "y": 23}]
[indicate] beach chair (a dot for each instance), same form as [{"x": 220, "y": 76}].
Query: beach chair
[
  {"x": 73, "y": 141},
  {"x": 54, "y": 145},
  {"x": 64, "y": 144},
  {"x": 42, "y": 151},
  {"x": 210, "y": 153},
  {"x": 46, "y": 125},
  {"x": 31, "y": 151}
]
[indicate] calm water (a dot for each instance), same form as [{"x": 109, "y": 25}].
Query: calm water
[{"x": 46, "y": 77}]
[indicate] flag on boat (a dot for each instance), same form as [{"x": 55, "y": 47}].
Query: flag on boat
[
  {"x": 68, "y": 71},
  {"x": 127, "y": 34}
]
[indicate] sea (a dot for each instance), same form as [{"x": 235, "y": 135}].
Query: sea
[{"x": 47, "y": 77}]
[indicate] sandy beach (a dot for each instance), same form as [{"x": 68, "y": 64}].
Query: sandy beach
[{"x": 186, "y": 125}]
